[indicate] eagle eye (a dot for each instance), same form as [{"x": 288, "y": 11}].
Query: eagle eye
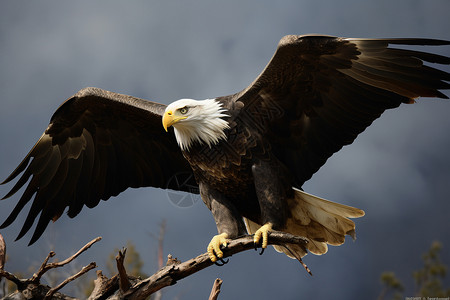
[{"x": 183, "y": 110}]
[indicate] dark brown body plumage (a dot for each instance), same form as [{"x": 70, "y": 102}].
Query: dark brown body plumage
[{"x": 228, "y": 170}]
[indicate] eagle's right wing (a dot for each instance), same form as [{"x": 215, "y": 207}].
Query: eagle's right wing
[{"x": 97, "y": 144}]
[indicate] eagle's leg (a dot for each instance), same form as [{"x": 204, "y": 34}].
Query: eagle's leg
[
  {"x": 228, "y": 220},
  {"x": 273, "y": 188}
]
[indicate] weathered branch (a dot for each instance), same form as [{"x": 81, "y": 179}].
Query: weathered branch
[
  {"x": 170, "y": 274},
  {"x": 33, "y": 289},
  {"x": 132, "y": 288}
]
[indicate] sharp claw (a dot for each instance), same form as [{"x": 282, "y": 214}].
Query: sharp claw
[
  {"x": 262, "y": 251},
  {"x": 222, "y": 262}
]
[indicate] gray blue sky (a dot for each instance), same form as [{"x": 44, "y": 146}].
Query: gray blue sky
[{"x": 398, "y": 171}]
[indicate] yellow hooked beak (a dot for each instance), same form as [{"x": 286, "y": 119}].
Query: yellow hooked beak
[{"x": 169, "y": 119}]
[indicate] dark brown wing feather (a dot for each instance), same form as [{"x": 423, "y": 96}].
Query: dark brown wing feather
[
  {"x": 318, "y": 93},
  {"x": 97, "y": 144}
]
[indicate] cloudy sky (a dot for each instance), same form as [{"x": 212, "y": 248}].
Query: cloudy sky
[{"x": 398, "y": 171}]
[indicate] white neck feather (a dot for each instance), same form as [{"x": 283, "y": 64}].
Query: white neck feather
[{"x": 204, "y": 123}]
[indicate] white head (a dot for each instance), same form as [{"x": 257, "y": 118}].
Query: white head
[{"x": 196, "y": 121}]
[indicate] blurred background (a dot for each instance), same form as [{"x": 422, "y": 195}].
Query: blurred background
[{"x": 398, "y": 171}]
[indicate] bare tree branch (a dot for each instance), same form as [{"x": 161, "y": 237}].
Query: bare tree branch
[
  {"x": 124, "y": 283},
  {"x": 33, "y": 289},
  {"x": 215, "y": 289},
  {"x": 135, "y": 288},
  {"x": 169, "y": 275}
]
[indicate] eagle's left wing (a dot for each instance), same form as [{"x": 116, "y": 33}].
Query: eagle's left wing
[{"x": 319, "y": 92}]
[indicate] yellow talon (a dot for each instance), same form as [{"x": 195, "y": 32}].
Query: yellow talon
[
  {"x": 217, "y": 241},
  {"x": 263, "y": 232}
]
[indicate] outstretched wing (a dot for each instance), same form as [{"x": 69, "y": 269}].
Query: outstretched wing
[
  {"x": 319, "y": 92},
  {"x": 97, "y": 144}
]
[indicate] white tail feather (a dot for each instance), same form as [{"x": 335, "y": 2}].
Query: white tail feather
[{"x": 321, "y": 221}]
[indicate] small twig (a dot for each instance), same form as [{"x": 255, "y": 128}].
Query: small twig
[
  {"x": 305, "y": 266},
  {"x": 124, "y": 283},
  {"x": 68, "y": 260},
  {"x": 172, "y": 261},
  {"x": 47, "y": 266},
  {"x": 42, "y": 269},
  {"x": 84, "y": 270},
  {"x": 215, "y": 289}
]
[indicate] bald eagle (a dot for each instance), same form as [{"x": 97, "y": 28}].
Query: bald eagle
[{"x": 248, "y": 153}]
